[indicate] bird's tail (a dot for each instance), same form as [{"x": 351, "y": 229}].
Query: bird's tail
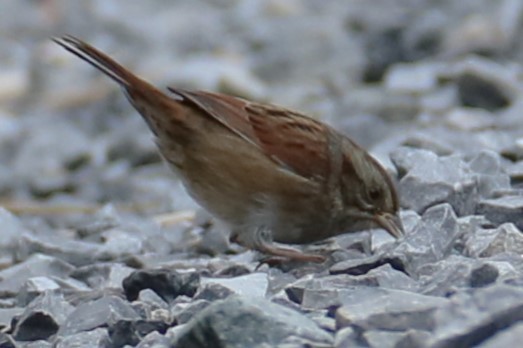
[{"x": 99, "y": 60}]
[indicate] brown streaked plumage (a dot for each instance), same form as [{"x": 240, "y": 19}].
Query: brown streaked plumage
[{"x": 271, "y": 174}]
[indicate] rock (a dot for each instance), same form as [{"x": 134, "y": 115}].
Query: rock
[
  {"x": 467, "y": 320},
  {"x": 431, "y": 179},
  {"x": 502, "y": 210},
  {"x": 250, "y": 322},
  {"x": 385, "y": 309},
  {"x": 94, "y": 338},
  {"x": 103, "y": 275},
  {"x": 126, "y": 332},
  {"x": 483, "y": 275},
  {"x": 34, "y": 287},
  {"x": 42, "y": 317},
  {"x": 510, "y": 337},
  {"x": 14, "y": 277},
  {"x": 324, "y": 292},
  {"x": 489, "y": 242},
  {"x": 8, "y": 342},
  {"x": 491, "y": 175},
  {"x": 98, "y": 313},
  {"x": 185, "y": 312},
  {"x": 212, "y": 292},
  {"x": 478, "y": 92},
  {"x": 167, "y": 284},
  {"x": 254, "y": 284},
  {"x": 431, "y": 240},
  {"x": 412, "y": 78}
]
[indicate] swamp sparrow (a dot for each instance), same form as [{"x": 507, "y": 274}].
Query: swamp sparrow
[{"x": 269, "y": 173}]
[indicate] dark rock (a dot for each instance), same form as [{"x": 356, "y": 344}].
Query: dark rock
[
  {"x": 483, "y": 275},
  {"x": 249, "y": 322},
  {"x": 478, "y": 92},
  {"x": 167, "y": 284}
]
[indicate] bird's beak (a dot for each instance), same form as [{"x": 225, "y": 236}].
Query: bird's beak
[{"x": 390, "y": 223}]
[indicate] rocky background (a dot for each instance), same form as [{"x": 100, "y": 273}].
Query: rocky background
[{"x": 100, "y": 246}]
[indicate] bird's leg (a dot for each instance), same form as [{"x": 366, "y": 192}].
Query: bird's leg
[{"x": 263, "y": 242}]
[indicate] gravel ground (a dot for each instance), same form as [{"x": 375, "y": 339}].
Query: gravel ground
[{"x": 101, "y": 247}]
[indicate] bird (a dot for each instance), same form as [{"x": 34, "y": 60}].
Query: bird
[{"x": 271, "y": 175}]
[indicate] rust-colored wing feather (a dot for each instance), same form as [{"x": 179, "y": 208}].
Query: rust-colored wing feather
[{"x": 290, "y": 139}]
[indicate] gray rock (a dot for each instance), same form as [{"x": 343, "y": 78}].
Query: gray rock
[
  {"x": 412, "y": 78},
  {"x": 33, "y": 287},
  {"x": 413, "y": 339},
  {"x": 103, "y": 275},
  {"x": 489, "y": 242},
  {"x": 382, "y": 339},
  {"x": 250, "y": 322},
  {"x": 491, "y": 175},
  {"x": 503, "y": 209},
  {"x": 326, "y": 292},
  {"x": 77, "y": 253},
  {"x": 182, "y": 313},
  {"x": 212, "y": 292},
  {"x": 384, "y": 309},
  {"x": 348, "y": 337},
  {"x": 510, "y": 337},
  {"x": 12, "y": 279},
  {"x": 430, "y": 180},
  {"x": 12, "y": 231},
  {"x": 7, "y": 315},
  {"x": 42, "y": 317},
  {"x": 152, "y": 299},
  {"x": 87, "y": 339},
  {"x": 97, "y": 313},
  {"x": 154, "y": 340},
  {"x": 254, "y": 284},
  {"x": 467, "y": 320},
  {"x": 431, "y": 240}
]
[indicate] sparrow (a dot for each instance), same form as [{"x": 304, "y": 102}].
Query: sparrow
[{"x": 272, "y": 175}]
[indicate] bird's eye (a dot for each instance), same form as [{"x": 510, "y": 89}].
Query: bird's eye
[{"x": 374, "y": 194}]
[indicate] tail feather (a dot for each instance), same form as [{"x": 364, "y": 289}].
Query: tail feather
[{"x": 99, "y": 60}]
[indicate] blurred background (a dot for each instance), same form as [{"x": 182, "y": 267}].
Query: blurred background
[{"x": 421, "y": 73}]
